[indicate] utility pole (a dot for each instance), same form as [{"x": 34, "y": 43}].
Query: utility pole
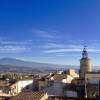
[
  {"x": 85, "y": 86},
  {"x": 99, "y": 88}
]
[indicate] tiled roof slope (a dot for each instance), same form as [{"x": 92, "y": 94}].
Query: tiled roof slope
[{"x": 29, "y": 96}]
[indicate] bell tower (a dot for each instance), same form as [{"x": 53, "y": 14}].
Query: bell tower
[{"x": 85, "y": 63}]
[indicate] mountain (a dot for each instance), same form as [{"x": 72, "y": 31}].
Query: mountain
[{"x": 17, "y": 64}]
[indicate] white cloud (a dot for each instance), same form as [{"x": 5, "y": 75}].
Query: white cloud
[
  {"x": 12, "y": 49},
  {"x": 67, "y": 55},
  {"x": 94, "y": 50},
  {"x": 61, "y": 50},
  {"x": 56, "y": 47},
  {"x": 49, "y": 34},
  {"x": 9, "y": 42},
  {"x": 53, "y": 45},
  {"x": 69, "y": 48},
  {"x": 14, "y": 46}
]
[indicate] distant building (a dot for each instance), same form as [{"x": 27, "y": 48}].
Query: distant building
[
  {"x": 85, "y": 64},
  {"x": 73, "y": 73},
  {"x": 68, "y": 79}
]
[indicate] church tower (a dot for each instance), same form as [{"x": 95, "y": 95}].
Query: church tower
[{"x": 85, "y": 63}]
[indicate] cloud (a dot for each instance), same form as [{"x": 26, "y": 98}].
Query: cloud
[
  {"x": 12, "y": 49},
  {"x": 71, "y": 50},
  {"x": 50, "y": 34},
  {"x": 68, "y": 48},
  {"x": 14, "y": 46},
  {"x": 42, "y": 33},
  {"x": 9, "y": 42},
  {"x": 62, "y": 54},
  {"x": 94, "y": 50},
  {"x": 53, "y": 45},
  {"x": 58, "y": 47},
  {"x": 61, "y": 50},
  {"x": 45, "y": 47}
]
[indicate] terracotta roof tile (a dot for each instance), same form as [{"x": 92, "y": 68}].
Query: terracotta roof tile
[
  {"x": 60, "y": 76},
  {"x": 29, "y": 96}
]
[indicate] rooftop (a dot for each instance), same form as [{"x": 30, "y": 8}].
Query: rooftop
[
  {"x": 29, "y": 96},
  {"x": 60, "y": 76}
]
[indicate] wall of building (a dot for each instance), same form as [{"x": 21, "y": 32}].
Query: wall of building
[
  {"x": 92, "y": 83},
  {"x": 85, "y": 66},
  {"x": 45, "y": 97},
  {"x": 42, "y": 85},
  {"x": 21, "y": 85},
  {"x": 55, "y": 89}
]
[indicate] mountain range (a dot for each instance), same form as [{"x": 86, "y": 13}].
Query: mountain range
[{"x": 10, "y": 64}]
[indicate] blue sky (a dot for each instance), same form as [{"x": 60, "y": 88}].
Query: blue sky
[{"x": 51, "y": 31}]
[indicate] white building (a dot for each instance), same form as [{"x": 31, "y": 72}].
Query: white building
[
  {"x": 68, "y": 79},
  {"x": 22, "y": 85}
]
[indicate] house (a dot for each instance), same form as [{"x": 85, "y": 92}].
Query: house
[
  {"x": 21, "y": 85},
  {"x": 55, "y": 86},
  {"x": 92, "y": 82},
  {"x": 5, "y": 88}
]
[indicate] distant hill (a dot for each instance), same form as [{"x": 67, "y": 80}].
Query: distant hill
[{"x": 17, "y": 64}]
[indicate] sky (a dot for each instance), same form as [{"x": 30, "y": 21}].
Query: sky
[{"x": 50, "y": 31}]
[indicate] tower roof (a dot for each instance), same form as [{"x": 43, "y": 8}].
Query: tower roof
[{"x": 84, "y": 52}]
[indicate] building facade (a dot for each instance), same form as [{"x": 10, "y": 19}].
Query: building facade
[{"x": 21, "y": 85}]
